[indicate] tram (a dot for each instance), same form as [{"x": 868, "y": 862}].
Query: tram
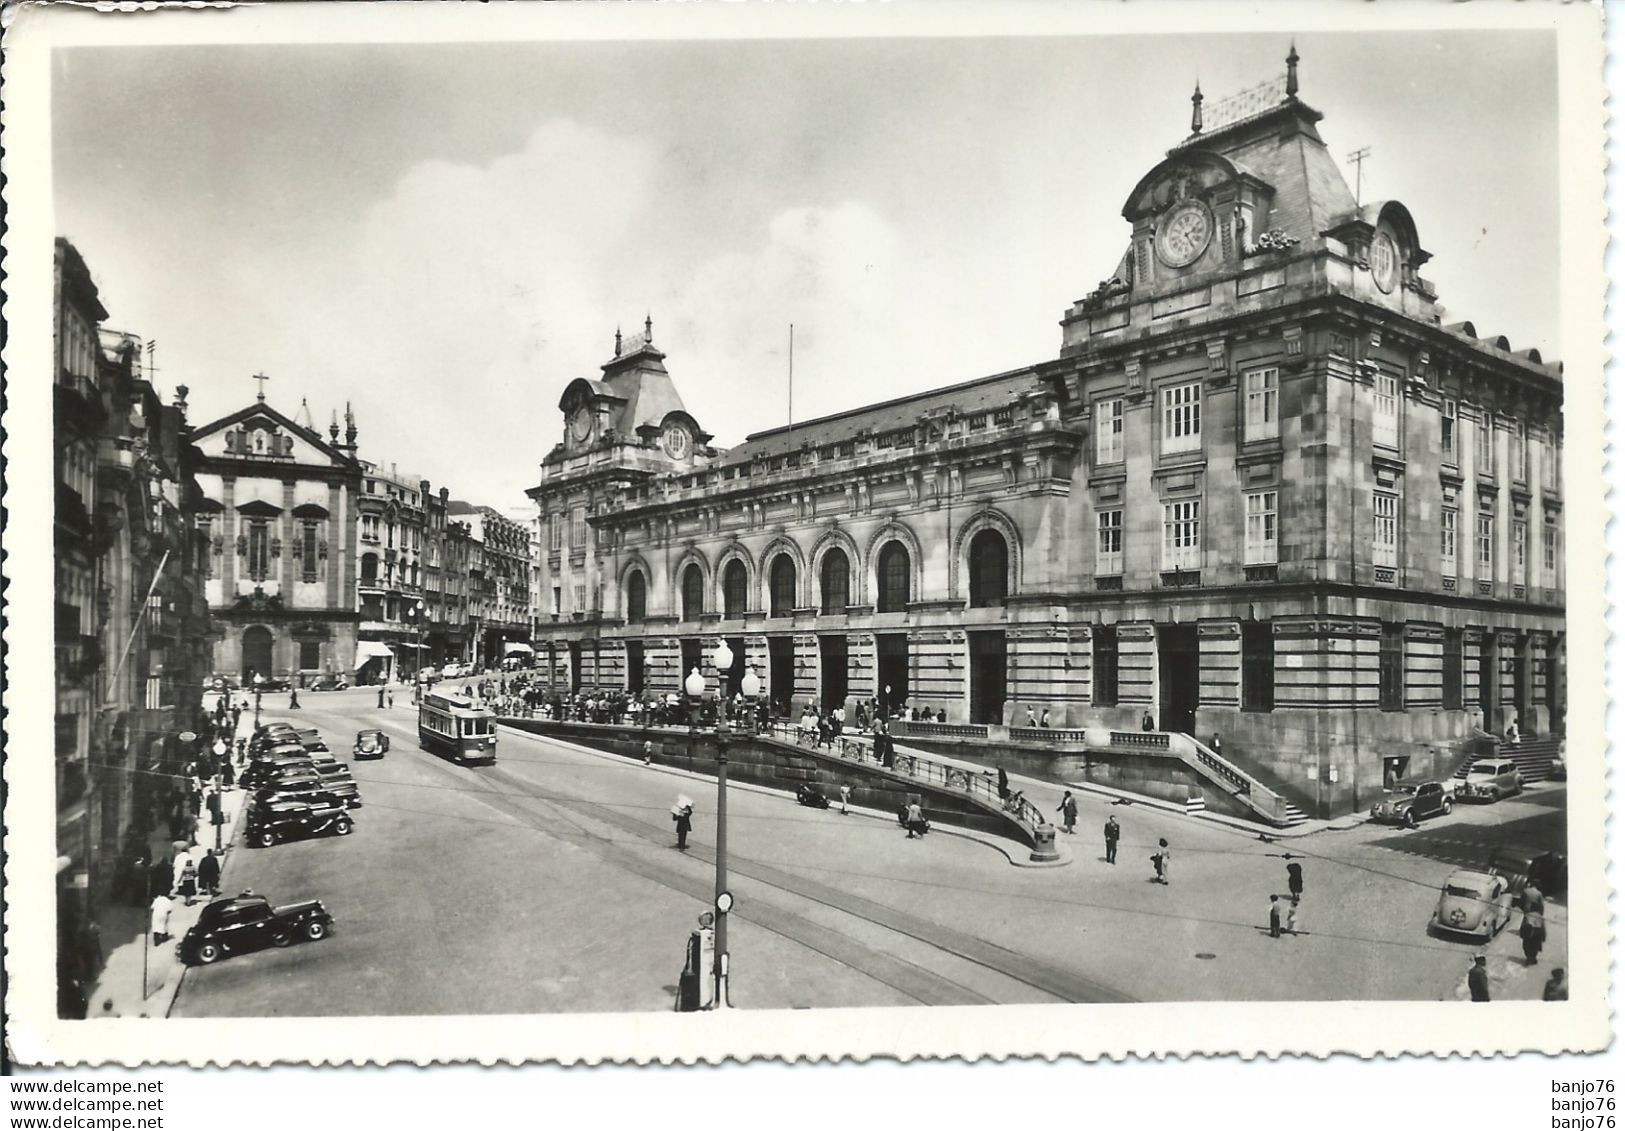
[{"x": 454, "y": 726}]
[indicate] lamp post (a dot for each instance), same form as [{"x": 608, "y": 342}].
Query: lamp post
[
  {"x": 259, "y": 689},
  {"x": 415, "y": 611},
  {"x": 724, "y": 659}
]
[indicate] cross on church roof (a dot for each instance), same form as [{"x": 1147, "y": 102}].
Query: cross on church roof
[{"x": 262, "y": 379}]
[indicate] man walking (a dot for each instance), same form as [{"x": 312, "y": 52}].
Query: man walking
[
  {"x": 684, "y": 816},
  {"x": 1113, "y": 831},
  {"x": 1162, "y": 860},
  {"x": 846, "y": 795},
  {"x": 914, "y": 819},
  {"x": 1478, "y": 979},
  {"x": 1275, "y": 916},
  {"x": 1069, "y": 812},
  {"x": 1533, "y": 929},
  {"x": 208, "y": 874}
]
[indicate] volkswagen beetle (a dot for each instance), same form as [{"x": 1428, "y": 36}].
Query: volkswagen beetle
[{"x": 1473, "y": 904}]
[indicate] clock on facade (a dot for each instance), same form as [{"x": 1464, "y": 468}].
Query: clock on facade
[
  {"x": 581, "y": 424},
  {"x": 675, "y": 440},
  {"x": 1384, "y": 262},
  {"x": 1183, "y": 233}
]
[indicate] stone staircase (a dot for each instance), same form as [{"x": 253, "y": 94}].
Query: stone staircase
[{"x": 1533, "y": 757}]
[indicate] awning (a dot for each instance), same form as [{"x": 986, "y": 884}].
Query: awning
[
  {"x": 371, "y": 650},
  {"x": 516, "y": 647}
]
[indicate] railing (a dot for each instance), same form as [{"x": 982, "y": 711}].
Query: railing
[
  {"x": 1155, "y": 739},
  {"x": 1224, "y": 770},
  {"x": 942, "y": 730},
  {"x": 1047, "y": 734}
]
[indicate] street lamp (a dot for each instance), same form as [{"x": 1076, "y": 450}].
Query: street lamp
[
  {"x": 259, "y": 689},
  {"x": 416, "y": 611},
  {"x": 724, "y": 659},
  {"x": 750, "y": 687}
]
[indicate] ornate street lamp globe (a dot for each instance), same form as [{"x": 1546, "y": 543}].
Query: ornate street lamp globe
[
  {"x": 723, "y": 656},
  {"x": 694, "y": 684},
  {"x": 750, "y": 686}
]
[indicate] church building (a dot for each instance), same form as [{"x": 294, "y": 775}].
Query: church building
[
  {"x": 279, "y": 517},
  {"x": 1263, "y": 493}
]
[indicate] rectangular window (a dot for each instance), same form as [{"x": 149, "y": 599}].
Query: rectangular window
[
  {"x": 1105, "y": 666},
  {"x": 1263, "y": 404},
  {"x": 1520, "y": 551},
  {"x": 1548, "y": 463},
  {"x": 1262, "y": 542},
  {"x": 1182, "y": 535},
  {"x": 1452, "y": 669},
  {"x": 1257, "y": 666},
  {"x": 1518, "y": 454},
  {"x": 310, "y": 654},
  {"x": 1109, "y": 543},
  {"x": 1109, "y": 431},
  {"x": 554, "y": 533},
  {"x": 578, "y": 527},
  {"x": 580, "y": 596},
  {"x": 1447, "y": 541},
  {"x": 1548, "y": 546},
  {"x": 1384, "y": 528},
  {"x": 556, "y": 597},
  {"x": 205, "y": 532},
  {"x": 1485, "y": 451},
  {"x": 1447, "y": 430},
  {"x": 1486, "y": 547},
  {"x": 259, "y": 551},
  {"x": 1385, "y": 411},
  {"x": 1391, "y": 668},
  {"x": 1182, "y": 417},
  {"x": 307, "y": 551}
]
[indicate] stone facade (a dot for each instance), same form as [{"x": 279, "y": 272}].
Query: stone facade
[
  {"x": 1263, "y": 493},
  {"x": 390, "y": 514}
]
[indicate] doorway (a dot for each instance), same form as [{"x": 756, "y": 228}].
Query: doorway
[
  {"x": 575, "y": 666},
  {"x": 781, "y": 667},
  {"x": 832, "y": 686},
  {"x": 634, "y": 666},
  {"x": 256, "y": 653},
  {"x": 891, "y": 670},
  {"x": 1178, "y": 677},
  {"x": 989, "y": 664}
]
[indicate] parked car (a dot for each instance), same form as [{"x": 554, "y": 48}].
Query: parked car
[
  {"x": 337, "y": 781},
  {"x": 1474, "y": 904},
  {"x": 1410, "y": 801},
  {"x": 265, "y": 730},
  {"x": 270, "y": 684},
  {"x": 370, "y": 744},
  {"x": 247, "y": 922},
  {"x": 276, "y": 746},
  {"x": 1490, "y": 779},
  {"x": 329, "y": 683},
  {"x": 1549, "y": 871},
  {"x": 282, "y": 818},
  {"x": 260, "y": 775}
]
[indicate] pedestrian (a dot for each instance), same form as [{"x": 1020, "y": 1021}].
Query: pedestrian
[
  {"x": 1533, "y": 929},
  {"x": 381, "y": 694},
  {"x": 1275, "y": 916},
  {"x": 1068, "y": 810},
  {"x": 683, "y": 814},
  {"x": 161, "y": 907},
  {"x": 846, "y": 795},
  {"x": 186, "y": 883},
  {"x": 1113, "y": 831},
  {"x": 648, "y": 752},
  {"x": 293, "y": 699},
  {"x": 1004, "y": 784},
  {"x": 1043, "y": 721},
  {"x": 1218, "y": 747},
  {"x": 1292, "y": 917},
  {"x": 1162, "y": 860},
  {"x": 1294, "y": 879},
  {"x": 1478, "y": 979},
  {"x": 914, "y": 819},
  {"x": 1148, "y": 723},
  {"x": 208, "y": 873},
  {"x": 1512, "y": 732},
  {"x": 1557, "y": 987},
  {"x": 389, "y": 696},
  {"x": 942, "y": 715},
  {"x": 228, "y": 774}
]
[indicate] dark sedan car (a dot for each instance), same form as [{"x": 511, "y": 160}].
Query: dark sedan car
[
  {"x": 280, "y": 817},
  {"x": 238, "y": 924},
  {"x": 272, "y": 770},
  {"x": 329, "y": 683},
  {"x": 336, "y": 780},
  {"x": 370, "y": 744},
  {"x": 1409, "y": 802}
]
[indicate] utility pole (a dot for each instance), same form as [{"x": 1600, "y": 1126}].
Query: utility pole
[{"x": 1357, "y": 159}]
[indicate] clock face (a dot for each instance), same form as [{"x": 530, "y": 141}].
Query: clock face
[
  {"x": 581, "y": 424},
  {"x": 1184, "y": 233},
  {"x": 1384, "y": 262},
  {"x": 675, "y": 440}
]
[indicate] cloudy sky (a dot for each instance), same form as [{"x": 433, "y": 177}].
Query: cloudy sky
[{"x": 446, "y": 235}]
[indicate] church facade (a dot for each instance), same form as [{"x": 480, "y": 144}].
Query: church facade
[
  {"x": 279, "y": 521},
  {"x": 1262, "y": 493}
]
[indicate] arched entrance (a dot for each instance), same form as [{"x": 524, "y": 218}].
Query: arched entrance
[{"x": 257, "y": 642}]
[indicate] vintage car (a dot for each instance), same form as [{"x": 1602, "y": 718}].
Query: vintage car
[
  {"x": 329, "y": 683},
  {"x": 265, "y": 730},
  {"x": 238, "y": 924},
  {"x": 288, "y": 777},
  {"x": 1474, "y": 904},
  {"x": 337, "y": 781},
  {"x": 280, "y": 746},
  {"x": 1548, "y": 871},
  {"x": 281, "y": 817},
  {"x": 1490, "y": 779},
  {"x": 370, "y": 744},
  {"x": 270, "y": 684},
  {"x": 261, "y": 771},
  {"x": 1410, "y": 801}
]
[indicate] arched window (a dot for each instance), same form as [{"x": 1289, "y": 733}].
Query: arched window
[
  {"x": 836, "y": 583},
  {"x": 693, "y": 592},
  {"x": 892, "y": 571},
  {"x": 783, "y": 581},
  {"x": 989, "y": 569},
  {"x": 369, "y": 567},
  {"x": 735, "y": 582},
  {"x": 637, "y": 596}
]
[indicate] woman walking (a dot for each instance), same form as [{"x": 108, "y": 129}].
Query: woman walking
[{"x": 1069, "y": 812}]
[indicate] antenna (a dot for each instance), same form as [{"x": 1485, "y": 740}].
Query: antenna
[
  {"x": 152, "y": 361},
  {"x": 1357, "y": 159}
]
